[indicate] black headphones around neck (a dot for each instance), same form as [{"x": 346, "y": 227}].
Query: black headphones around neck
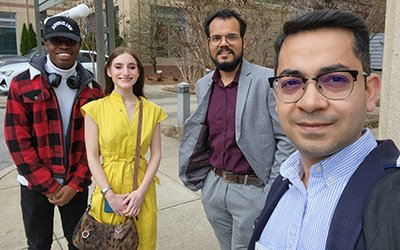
[{"x": 55, "y": 80}]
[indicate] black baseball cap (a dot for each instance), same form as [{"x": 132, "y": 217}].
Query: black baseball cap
[{"x": 62, "y": 26}]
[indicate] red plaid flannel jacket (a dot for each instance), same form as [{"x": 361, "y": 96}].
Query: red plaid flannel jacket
[{"x": 33, "y": 130}]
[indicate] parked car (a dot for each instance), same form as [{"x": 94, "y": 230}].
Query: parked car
[
  {"x": 10, "y": 66},
  {"x": 11, "y": 59}
]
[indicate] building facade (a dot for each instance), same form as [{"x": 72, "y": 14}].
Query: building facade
[{"x": 13, "y": 14}]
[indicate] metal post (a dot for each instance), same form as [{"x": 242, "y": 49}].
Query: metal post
[
  {"x": 110, "y": 25},
  {"x": 38, "y": 28},
  {"x": 100, "y": 42},
  {"x": 139, "y": 25},
  {"x": 183, "y": 104}
]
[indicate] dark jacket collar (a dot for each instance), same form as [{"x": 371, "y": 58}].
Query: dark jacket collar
[
  {"x": 85, "y": 75},
  {"x": 346, "y": 224}
]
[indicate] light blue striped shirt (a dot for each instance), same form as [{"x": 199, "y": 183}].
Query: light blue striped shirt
[{"x": 302, "y": 217}]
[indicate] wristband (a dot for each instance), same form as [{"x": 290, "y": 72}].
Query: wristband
[{"x": 105, "y": 190}]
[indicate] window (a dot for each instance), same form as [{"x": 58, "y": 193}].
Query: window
[
  {"x": 8, "y": 41},
  {"x": 170, "y": 27}
]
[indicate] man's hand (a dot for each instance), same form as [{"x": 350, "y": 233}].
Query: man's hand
[
  {"x": 63, "y": 196},
  {"x": 51, "y": 195}
]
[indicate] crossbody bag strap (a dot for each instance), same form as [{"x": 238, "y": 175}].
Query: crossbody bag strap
[{"x": 138, "y": 138}]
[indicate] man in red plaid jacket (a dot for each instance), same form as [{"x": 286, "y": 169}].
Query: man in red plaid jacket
[{"x": 44, "y": 132}]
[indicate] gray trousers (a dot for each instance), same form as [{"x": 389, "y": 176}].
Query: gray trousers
[{"x": 231, "y": 209}]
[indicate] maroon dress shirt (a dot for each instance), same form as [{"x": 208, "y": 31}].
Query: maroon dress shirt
[{"x": 225, "y": 153}]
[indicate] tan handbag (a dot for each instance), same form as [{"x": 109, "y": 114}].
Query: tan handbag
[{"x": 90, "y": 234}]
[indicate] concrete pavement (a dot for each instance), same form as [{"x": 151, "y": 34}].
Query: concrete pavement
[
  {"x": 3, "y": 98},
  {"x": 182, "y": 223}
]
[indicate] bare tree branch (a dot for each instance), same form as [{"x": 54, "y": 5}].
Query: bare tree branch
[{"x": 263, "y": 21}]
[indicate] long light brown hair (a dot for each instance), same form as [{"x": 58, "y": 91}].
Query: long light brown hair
[{"x": 138, "y": 87}]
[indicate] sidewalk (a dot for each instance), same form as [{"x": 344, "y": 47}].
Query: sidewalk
[
  {"x": 182, "y": 223},
  {"x": 3, "y": 99}
]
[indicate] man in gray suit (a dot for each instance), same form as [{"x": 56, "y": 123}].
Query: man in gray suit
[{"x": 232, "y": 145}]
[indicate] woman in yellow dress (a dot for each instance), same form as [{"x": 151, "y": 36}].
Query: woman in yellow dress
[{"x": 110, "y": 131}]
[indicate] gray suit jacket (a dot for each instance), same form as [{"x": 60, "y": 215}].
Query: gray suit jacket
[{"x": 257, "y": 129}]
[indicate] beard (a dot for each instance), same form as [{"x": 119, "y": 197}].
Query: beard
[{"x": 228, "y": 66}]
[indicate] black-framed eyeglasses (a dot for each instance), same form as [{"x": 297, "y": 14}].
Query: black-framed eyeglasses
[
  {"x": 334, "y": 85},
  {"x": 61, "y": 40},
  {"x": 231, "y": 39}
]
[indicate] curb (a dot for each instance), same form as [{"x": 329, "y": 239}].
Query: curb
[{"x": 7, "y": 171}]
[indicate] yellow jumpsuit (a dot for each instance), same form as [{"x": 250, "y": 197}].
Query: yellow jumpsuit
[{"x": 117, "y": 143}]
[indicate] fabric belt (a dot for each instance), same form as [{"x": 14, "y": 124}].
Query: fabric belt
[{"x": 245, "y": 179}]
